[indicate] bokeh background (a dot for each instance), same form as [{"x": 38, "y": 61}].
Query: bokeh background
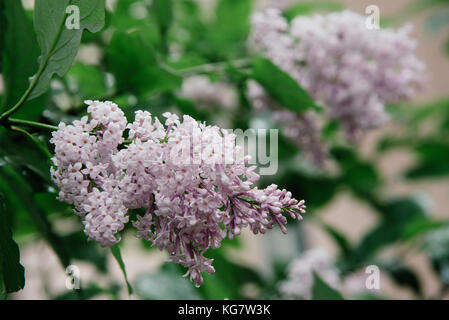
[{"x": 344, "y": 212}]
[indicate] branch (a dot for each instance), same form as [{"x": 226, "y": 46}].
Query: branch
[{"x": 31, "y": 124}]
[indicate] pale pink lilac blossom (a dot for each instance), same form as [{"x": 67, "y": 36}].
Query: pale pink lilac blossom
[
  {"x": 278, "y": 4},
  {"x": 207, "y": 94},
  {"x": 190, "y": 203},
  {"x": 354, "y": 71},
  {"x": 300, "y": 276},
  {"x": 300, "y": 279}
]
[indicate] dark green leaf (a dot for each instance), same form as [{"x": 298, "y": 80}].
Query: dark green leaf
[
  {"x": 322, "y": 291},
  {"x": 396, "y": 214},
  {"x": 360, "y": 176},
  {"x": 421, "y": 226},
  {"x": 2, "y": 35},
  {"x": 403, "y": 275},
  {"x": 232, "y": 21},
  {"x": 165, "y": 284},
  {"x": 12, "y": 273},
  {"x": 362, "y": 179},
  {"x": 78, "y": 246},
  {"x": 90, "y": 291},
  {"x": 432, "y": 160},
  {"x": 369, "y": 296},
  {"x": 18, "y": 191},
  {"x": 19, "y": 150},
  {"x": 49, "y": 203},
  {"x": 340, "y": 240},
  {"x": 317, "y": 190},
  {"x": 132, "y": 60},
  {"x": 132, "y": 14},
  {"x": 189, "y": 108},
  {"x": 283, "y": 88},
  {"x": 163, "y": 10},
  {"x": 115, "y": 250},
  {"x": 88, "y": 81},
  {"x": 187, "y": 15},
  {"x": 59, "y": 45},
  {"x": 19, "y": 60},
  {"x": 227, "y": 282}
]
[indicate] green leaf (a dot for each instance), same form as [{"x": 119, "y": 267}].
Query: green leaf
[
  {"x": 421, "y": 226},
  {"x": 396, "y": 215},
  {"x": 403, "y": 275},
  {"x": 89, "y": 292},
  {"x": 115, "y": 250},
  {"x": 131, "y": 14},
  {"x": 51, "y": 205},
  {"x": 227, "y": 282},
  {"x": 2, "y": 289},
  {"x": 369, "y": 296},
  {"x": 188, "y": 18},
  {"x": 88, "y": 81},
  {"x": 132, "y": 60},
  {"x": 59, "y": 45},
  {"x": 432, "y": 161},
  {"x": 188, "y": 107},
  {"x": 19, "y": 60},
  {"x": 163, "y": 10},
  {"x": 322, "y": 291},
  {"x": 283, "y": 88},
  {"x": 317, "y": 190},
  {"x": 81, "y": 249},
  {"x": 231, "y": 21},
  {"x": 360, "y": 176},
  {"x": 165, "y": 284},
  {"x": 19, "y": 192},
  {"x": 340, "y": 240},
  {"x": 2, "y": 36},
  {"x": 309, "y": 7},
  {"x": 216, "y": 288},
  {"x": 12, "y": 273},
  {"x": 19, "y": 150}
]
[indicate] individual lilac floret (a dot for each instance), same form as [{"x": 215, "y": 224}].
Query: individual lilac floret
[
  {"x": 190, "y": 179},
  {"x": 354, "y": 71}
]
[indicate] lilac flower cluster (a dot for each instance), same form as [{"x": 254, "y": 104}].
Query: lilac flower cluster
[
  {"x": 190, "y": 202},
  {"x": 300, "y": 280},
  {"x": 300, "y": 276},
  {"x": 354, "y": 71}
]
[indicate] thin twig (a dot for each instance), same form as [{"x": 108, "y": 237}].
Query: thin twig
[
  {"x": 210, "y": 67},
  {"x": 34, "y": 140},
  {"x": 31, "y": 124}
]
